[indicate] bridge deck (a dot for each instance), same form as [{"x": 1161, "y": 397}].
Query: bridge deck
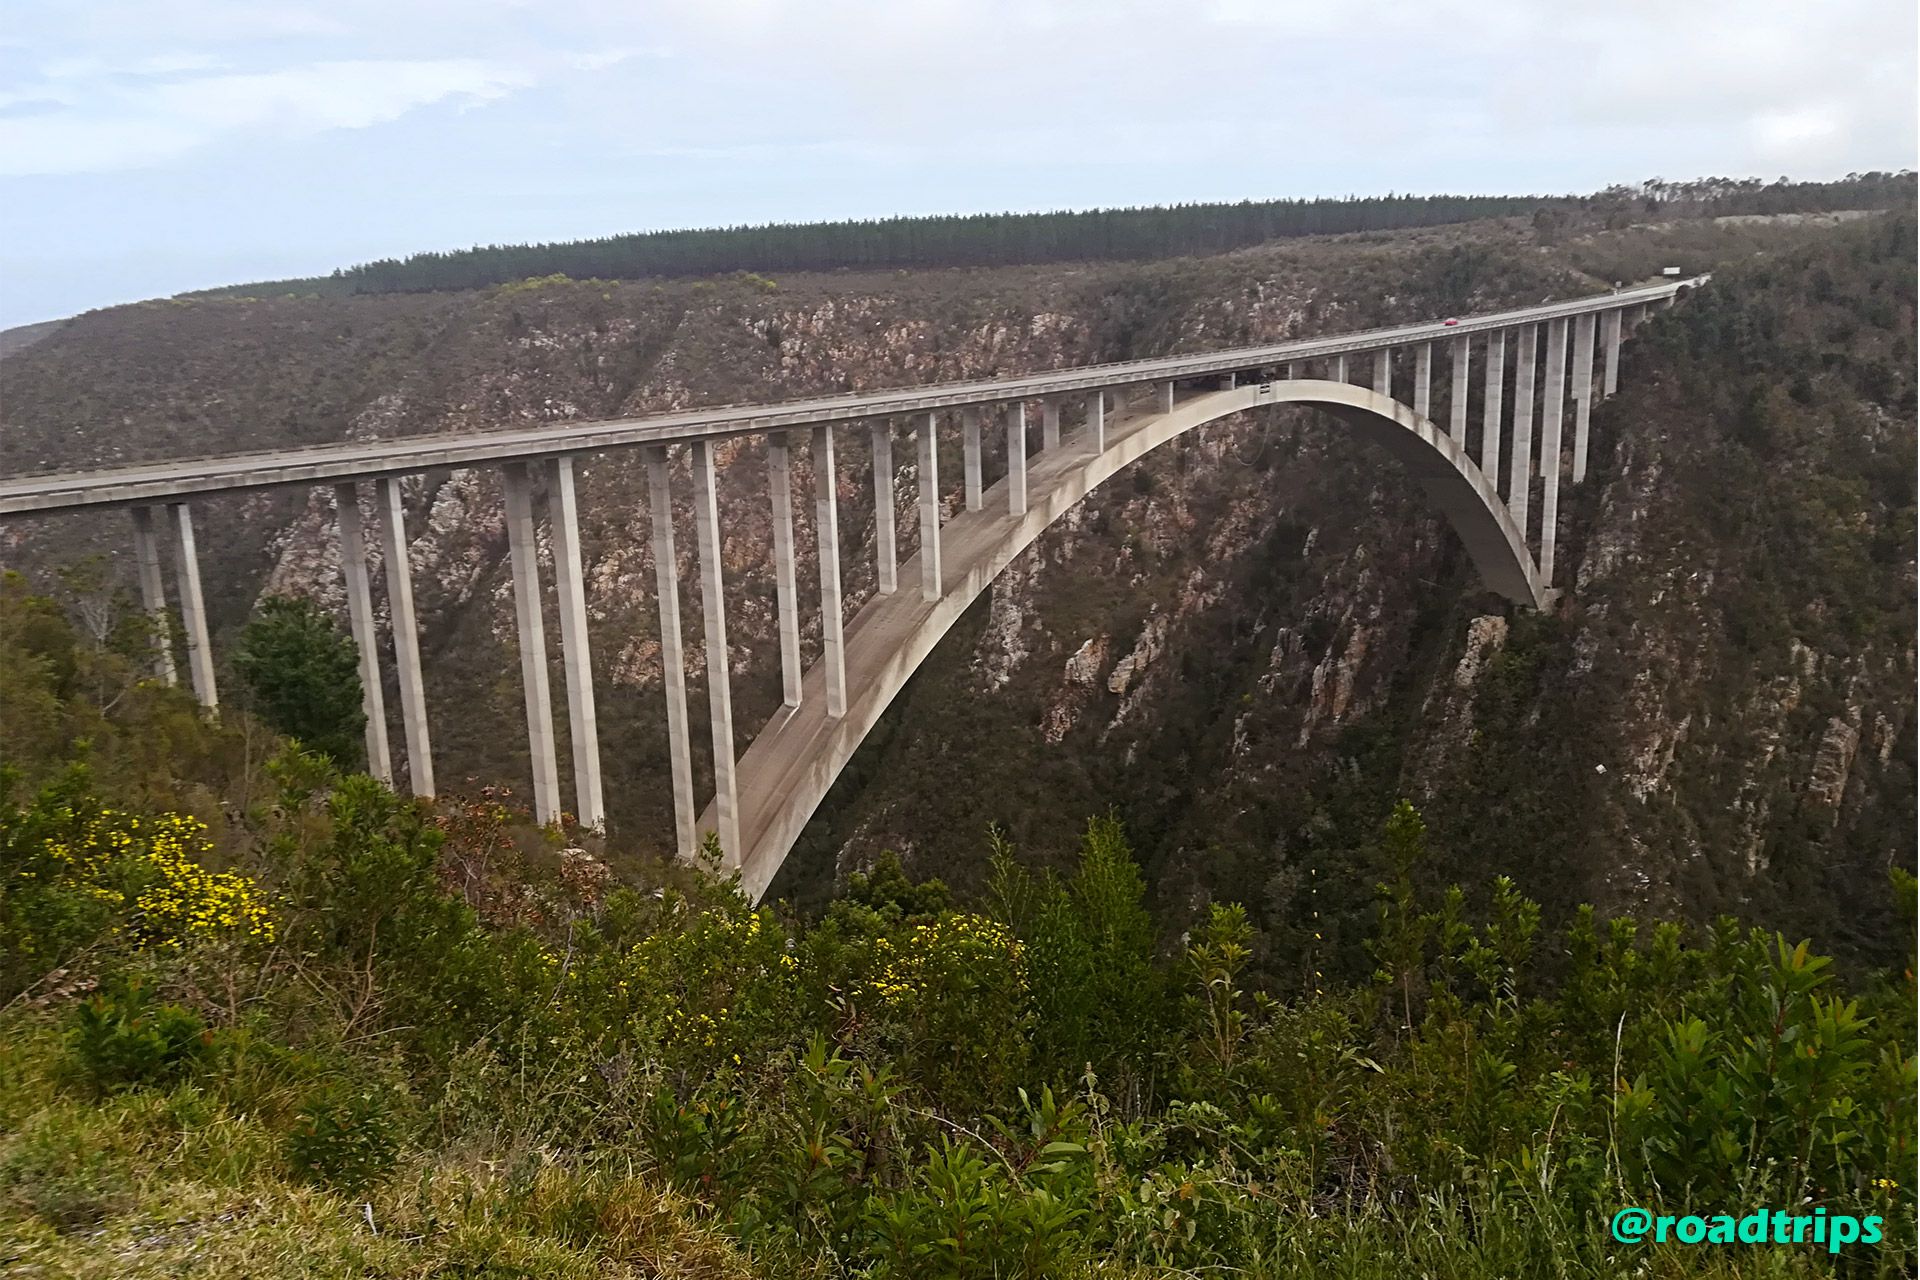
[{"x": 176, "y": 480}]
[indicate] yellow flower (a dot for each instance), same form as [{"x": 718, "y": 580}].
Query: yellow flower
[{"x": 180, "y": 899}]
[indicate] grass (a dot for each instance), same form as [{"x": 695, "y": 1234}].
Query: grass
[{"x": 186, "y": 1182}]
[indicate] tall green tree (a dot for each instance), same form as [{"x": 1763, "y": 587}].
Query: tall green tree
[{"x": 304, "y": 677}]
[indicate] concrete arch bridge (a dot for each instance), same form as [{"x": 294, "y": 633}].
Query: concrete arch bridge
[{"x": 1540, "y": 367}]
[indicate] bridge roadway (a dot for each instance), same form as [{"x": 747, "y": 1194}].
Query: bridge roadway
[{"x": 50, "y": 492}]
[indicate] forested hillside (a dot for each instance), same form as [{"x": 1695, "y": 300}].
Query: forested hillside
[{"x": 1113, "y": 235}]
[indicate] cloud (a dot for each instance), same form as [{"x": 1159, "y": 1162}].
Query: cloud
[
  {"x": 116, "y": 119},
  {"x": 671, "y": 112},
  {"x": 1730, "y": 85}
]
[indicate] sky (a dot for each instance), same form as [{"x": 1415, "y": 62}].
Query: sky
[{"x": 153, "y": 146}]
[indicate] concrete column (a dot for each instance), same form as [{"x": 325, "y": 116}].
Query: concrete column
[
  {"x": 1017, "y": 459},
  {"x": 926, "y": 440},
  {"x": 583, "y": 721},
  {"x": 1339, "y": 368},
  {"x": 193, "y": 605},
  {"x": 673, "y": 658},
  {"x": 1050, "y": 424},
  {"x": 1097, "y": 421},
  {"x": 1490, "y": 419},
  {"x": 406, "y": 634},
  {"x": 153, "y": 594},
  {"x": 1423, "y": 379},
  {"x": 970, "y": 449},
  {"x": 780, "y": 489},
  {"x": 1383, "y": 372},
  {"x": 1582, "y": 391},
  {"x": 1228, "y": 381},
  {"x": 1457, "y": 425},
  {"x": 524, "y": 554},
  {"x": 366, "y": 640},
  {"x": 1612, "y": 379},
  {"x": 1520, "y": 469},
  {"x": 1293, "y": 370},
  {"x": 1166, "y": 397},
  {"x": 713, "y": 604},
  {"x": 826, "y": 523},
  {"x": 888, "y": 580},
  {"x": 1553, "y": 404}
]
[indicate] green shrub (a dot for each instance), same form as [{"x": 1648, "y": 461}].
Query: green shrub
[
  {"x": 120, "y": 1039},
  {"x": 304, "y": 675},
  {"x": 344, "y": 1137}
]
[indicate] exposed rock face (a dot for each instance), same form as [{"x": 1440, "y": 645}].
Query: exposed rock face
[
  {"x": 1832, "y": 762},
  {"x": 1486, "y": 636},
  {"x": 1080, "y": 676},
  {"x": 1145, "y": 650},
  {"x": 1249, "y": 645}
]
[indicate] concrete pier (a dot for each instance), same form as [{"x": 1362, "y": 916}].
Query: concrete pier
[
  {"x": 673, "y": 657},
  {"x": 576, "y": 659},
  {"x": 1582, "y": 392},
  {"x": 1457, "y": 424},
  {"x": 1017, "y": 459},
  {"x": 1611, "y": 383},
  {"x": 1339, "y": 369},
  {"x": 1383, "y": 372},
  {"x": 153, "y": 594},
  {"x": 1553, "y": 404},
  {"x": 1049, "y": 424},
  {"x": 366, "y": 640},
  {"x": 970, "y": 450},
  {"x": 1490, "y": 416},
  {"x": 826, "y": 524},
  {"x": 1423, "y": 379},
  {"x": 886, "y": 552},
  {"x": 926, "y": 439},
  {"x": 1166, "y": 397},
  {"x": 786, "y": 594},
  {"x": 1520, "y": 470},
  {"x": 193, "y": 605},
  {"x": 524, "y": 556},
  {"x": 713, "y": 605},
  {"x": 394, "y": 555},
  {"x": 1097, "y": 421}
]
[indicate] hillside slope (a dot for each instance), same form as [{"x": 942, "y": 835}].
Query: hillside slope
[{"x": 1248, "y": 646}]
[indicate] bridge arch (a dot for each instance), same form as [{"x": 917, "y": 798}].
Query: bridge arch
[{"x": 789, "y": 768}]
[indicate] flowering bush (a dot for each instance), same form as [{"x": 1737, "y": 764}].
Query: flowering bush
[
  {"x": 953, "y": 993},
  {"x": 148, "y": 873},
  {"x": 74, "y": 873}
]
